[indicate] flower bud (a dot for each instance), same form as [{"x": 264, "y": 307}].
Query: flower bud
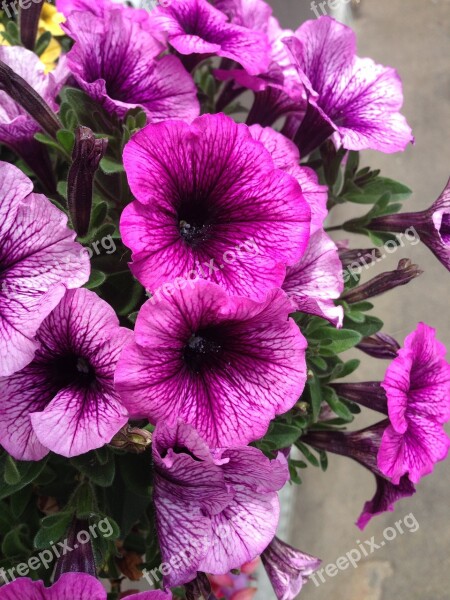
[{"x": 132, "y": 439}]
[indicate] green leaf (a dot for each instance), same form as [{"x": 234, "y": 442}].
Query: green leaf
[
  {"x": 348, "y": 368},
  {"x": 67, "y": 139},
  {"x": 53, "y": 529},
  {"x": 16, "y": 542},
  {"x": 374, "y": 189},
  {"x": 336, "y": 405},
  {"x": 99, "y": 214},
  {"x": 28, "y": 471},
  {"x": 315, "y": 393},
  {"x": 98, "y": 466},
  {"x": 370, "y": 326},
  {"x": 307, "y": 454},
  {"x": 109, "y": 165},
  {"x": 96, "y": 279},
  {"x": 20, "y": 500},
  {"x": 43, "y": 43},
  {"x": 282, "y": 435},
  {"x": 337, "y": 340},
  {"x": 11, "y": 473}
]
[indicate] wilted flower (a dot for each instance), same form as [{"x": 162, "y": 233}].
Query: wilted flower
[
  {"x": 114, "y": 60},
  {"x": 202, "y": 192},
  {"x": 211, "y": 359},
  {"x": 65, "y": 400},
  {"x": 405, "y": 272},
  {"x": 215, "y": 510},
  {"x": 288, "y": 568},
  {"x": 196, "y": 27},
  {"x": 432, "y": 226},
  {"x": 71, "y": 585},
  {"x": 39, "y": 260},
  {"x": 352, "y": 96},
  {"x": 417, "y": 385}
]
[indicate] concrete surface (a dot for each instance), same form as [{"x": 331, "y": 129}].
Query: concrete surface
[{"x": 413, "y": 37}]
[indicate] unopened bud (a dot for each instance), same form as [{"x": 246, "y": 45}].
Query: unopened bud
[{"x": 132, "y": 439}]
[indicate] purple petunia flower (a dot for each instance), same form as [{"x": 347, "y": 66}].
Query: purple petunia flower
[
  {"x": 202, "y": 192},
  {"x": 70, "y": 585},
  {"x": 417, "y": 385},
  {"x": 196, "y": 27},
  {"x": 316, "y": 280},
  {"x": 17, "y": 127},
  {"x": 227, "y": 365},
  {"x": 39, "y": 259},
  {"x": 432, "y": 226},
  {"x": 279, "y": 90},
  {"x": 114, "y": 61},
  {"x": 363, "y": 447},
  {"x": 253, "y": 14},
  {"x": 65, "y": 399},
  {"x": 215, "y": 510},
  {"x": 352, "y": 96},
  {"x": 288, "y": 568}
]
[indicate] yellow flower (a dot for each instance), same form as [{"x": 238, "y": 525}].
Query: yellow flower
[{"x": 51, "y": 19}]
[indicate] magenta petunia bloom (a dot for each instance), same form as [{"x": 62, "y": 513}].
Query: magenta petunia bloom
[
  {"x": 279, "y": 90},
  {"x": 316, "y": 280},
  {"x": 202, "y": 191},
  {"x": 196, "y": 27},
  {"x": 71, "y": 586},
  {"x": 227, "y": 365},
  {"x": 65, "y": 400},
  {"x": 17, "y": 127},
  {"x": 432, "y": 226},
  {"x": 288, "y": 568},
  {"x": 114, "y": 60},
  {"x": 353, "y": 97},
  {"x": 417, "y": 385},
  {"x": 253, "y": 14},
  {"x": 363, "y": 446},
  {"x": 286, "y": 156},
  {"x": 39, "y": 259},
  {"x": 215, "y": 510}
]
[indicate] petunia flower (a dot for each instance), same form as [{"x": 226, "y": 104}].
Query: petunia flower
[
  {"x": 114, "y": 60},
  {"x": 226, "y": 365},
  {"x": 279, "y": 90},
  {"x": 417, "y": 385},
  {"x": 65, "y": 400},
  {"x": 215, "y": 510},
  {"x": 253, "y": 14},
  {"x": 39, "y": 260},
  {"x": 196, "y": 27},
  {"x": 432, "y": 226},
  {"x": 316, "y": 280},
  {"x": 288, "y": 568},
  {"x": 71, "y": 585},
  {"x": 202, "y": 192},
  {"x": 17, "y": 127},
  {"x": 363, "y": 447},
  {"x": 353, "y": 97}
]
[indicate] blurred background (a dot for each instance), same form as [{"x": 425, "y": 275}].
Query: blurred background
[{"x": 414, "y": 37}]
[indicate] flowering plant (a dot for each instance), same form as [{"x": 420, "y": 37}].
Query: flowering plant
[{"x": 173, "y": 310}]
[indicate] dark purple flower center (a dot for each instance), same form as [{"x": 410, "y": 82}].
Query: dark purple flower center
[
  {"x": 194, "y": 223},
  {"x": 202, "y": 351},
  {"x": 70, "y": 370},
  {"x": 445, "y": 228}
]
